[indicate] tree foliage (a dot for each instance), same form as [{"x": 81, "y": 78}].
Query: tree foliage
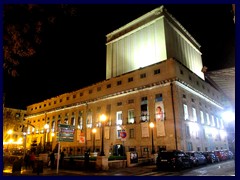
[{"x": 24, "y": 28}]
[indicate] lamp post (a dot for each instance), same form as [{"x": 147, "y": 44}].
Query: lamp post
[
  {"x": 102, "y": 119},
  {"x": 94, "y": 131},
  {"x": 152, "y": 126},
  {"x": 46, "y": 126}
]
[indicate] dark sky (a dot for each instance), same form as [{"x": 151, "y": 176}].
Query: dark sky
[{"x": 73, "y": 53}]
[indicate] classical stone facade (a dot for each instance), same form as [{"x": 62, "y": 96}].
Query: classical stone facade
[{"x": 170, "y": 92}]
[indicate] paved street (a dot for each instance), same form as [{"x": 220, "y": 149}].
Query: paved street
[
  {"x": 226, "y": 168},
  {"x": 130, "y": 171}
]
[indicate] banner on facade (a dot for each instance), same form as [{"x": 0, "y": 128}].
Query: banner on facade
[
  {"x": 145, "y": 129},
  {"x": 80, "y": 136},
  {"x": 89, "y": 131},
  {"x": 97, "y": 135},
  {"x": 159, "y": 115}
]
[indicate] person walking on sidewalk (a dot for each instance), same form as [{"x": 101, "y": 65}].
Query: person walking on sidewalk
[
  {"x": 52, "y": 160},
  {"x": 32, "y": 160},
  {"x": 61, "y": 159},
  {"x": 27, "y": 160}
]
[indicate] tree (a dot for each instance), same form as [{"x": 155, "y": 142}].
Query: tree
[{"x": 24, "y": 28}]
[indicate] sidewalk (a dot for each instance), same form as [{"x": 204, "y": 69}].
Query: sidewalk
[{"x": 128, "y": 171}]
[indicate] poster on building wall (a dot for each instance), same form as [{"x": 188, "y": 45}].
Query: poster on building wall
[
  {"x": 97, "y": 134},
  {"x": 159, "y": 115},
  {"x": 106, "y": 132},
  {"x": 80, "y": 136},
  {"x": 145, "y": 129},
  {"x": 89, "y": 134}
]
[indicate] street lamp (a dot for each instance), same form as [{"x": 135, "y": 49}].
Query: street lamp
[
  {"x": 102, "y": 119},
  {"x": 46, "y": 126},
  {"x": 152, "y": 126},
  {"x": 94, "y": 131}
]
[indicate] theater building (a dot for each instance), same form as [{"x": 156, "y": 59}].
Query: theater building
[{"x": 153, "y": 74}]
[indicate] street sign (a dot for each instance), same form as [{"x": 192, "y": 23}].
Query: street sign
[
  {"x": 123, "y": 134},
  {"x": 65, "y": 133}
]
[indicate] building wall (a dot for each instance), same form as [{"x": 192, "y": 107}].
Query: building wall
[
  {"x": 197, "y": 93},
  {"x": 13, "y": 119},
  {"x": 181, "y": 48},
  {"x": 137, "y": 49},
  {"x": 149, "y": 39}
]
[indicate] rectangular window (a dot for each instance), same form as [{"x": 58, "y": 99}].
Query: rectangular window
[
  {"x": 185, "y": 110},
  {"x": 131, "y": 118},
  {"x": 119, "y": 118},
  {"x": 202, "y": 117},
  {"x": 187, "y": 131},
  {"x": 17, "y": 115},
  {"x": 189, "y": 146},
  {"x": 66, "y": 119},
  {"x": 131, "y": 133},
  {"x": 73, "y": 119},
  {"x": 143, "y": 75},
  {"x": 119, "y": 83},
  {"x": 90, "y": 91},
  {"x": 119, "y": 103},
  {"x": 80, "y": 120},
  {"x": 156, "y": 71},
  {"x": 217, "y": 120},
  {"x": 208, "y": 119},
  {"x": 158, "y": 97},
  {"x": 213, "y": 121},
  {"x": 109, "y": 86},
  {"x": 194, "y": 114},
  {"x": 221, "y": 124},
  {"x": 130, "y": 101},
  {"x": 130, "y": 79},
  {"x": 119, "y": 130},
  {"x": 98, "y": 89},
  {"x": 89, "y": 119},
  {"x": 144, "y": 109}
]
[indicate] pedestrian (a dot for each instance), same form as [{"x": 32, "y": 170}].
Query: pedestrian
[
  {"x": 52, "y": 160},
  {"x": 61, "y": 159},
  {"x": 27, "y": 160},
  {"x": 32, "y": 160},
  {"x": 86, "y": 158}
]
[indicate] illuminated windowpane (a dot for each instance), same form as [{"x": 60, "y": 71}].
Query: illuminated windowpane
[{"x": 185, "y": 109}]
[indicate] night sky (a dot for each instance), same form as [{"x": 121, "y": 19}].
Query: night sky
[{"x": 73, "y": 52}]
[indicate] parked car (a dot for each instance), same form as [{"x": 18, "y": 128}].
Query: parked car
[
  {"x": 210, "y": 156},
  {"x": 220, "y": 154},
  {"x": 229, "y": 154},
  {"x": 197, "y": 158},
  {"x": 173, "y": 159}
]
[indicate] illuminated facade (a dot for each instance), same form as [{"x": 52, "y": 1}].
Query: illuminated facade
[
  {"x": 13, "y": 120},
  {"x": 151, "y": 38},
  {"x": 170, "y": 92}
]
